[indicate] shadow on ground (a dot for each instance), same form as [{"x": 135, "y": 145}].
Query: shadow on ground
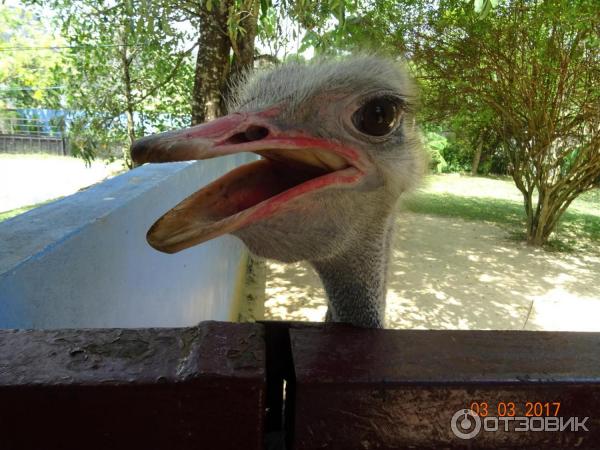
[{"x": 448, "y": 273}]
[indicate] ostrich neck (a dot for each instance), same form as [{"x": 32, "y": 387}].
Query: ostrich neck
[{"x": 355, "y": 280}]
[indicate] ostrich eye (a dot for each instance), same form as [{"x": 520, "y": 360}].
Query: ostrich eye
[{"x": 377, "y": 117}]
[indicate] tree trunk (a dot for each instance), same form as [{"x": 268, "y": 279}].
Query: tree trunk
[
  {"x": 126, "y": 75},
  {"x": 477, "y": 155},
  {"x": 540, "y": 231},
  {"x": 212, "y": 64},
  {"x": 243, "y": 43},
  {"x": 130, "y": 137},
  {"x": 544, "y": 219}
]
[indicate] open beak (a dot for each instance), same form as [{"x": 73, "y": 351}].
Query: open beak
[{"x": 293, "y": 164}]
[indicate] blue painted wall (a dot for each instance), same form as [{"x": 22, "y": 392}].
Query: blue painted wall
[{"x": 83, "y": 261}]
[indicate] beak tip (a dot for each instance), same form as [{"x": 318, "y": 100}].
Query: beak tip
[
  {"x": 161, "y": 247},
  {"x": 138, "y": 152},
  {"x": 161, "y": 244}
]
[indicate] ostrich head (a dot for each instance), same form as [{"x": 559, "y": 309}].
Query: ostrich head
[{"x": 338, "y": 146}]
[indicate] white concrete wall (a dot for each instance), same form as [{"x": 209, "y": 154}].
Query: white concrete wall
[{"x": 83, "y": 261}]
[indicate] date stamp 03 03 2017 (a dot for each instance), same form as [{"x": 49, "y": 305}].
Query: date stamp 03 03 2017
[{"x": 482, "y": 416}]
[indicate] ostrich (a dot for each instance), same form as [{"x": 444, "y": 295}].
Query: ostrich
[{"x": 338, "y": 145}]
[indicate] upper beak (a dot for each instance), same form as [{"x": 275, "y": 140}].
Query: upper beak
[{"x": 216, "y": 138}]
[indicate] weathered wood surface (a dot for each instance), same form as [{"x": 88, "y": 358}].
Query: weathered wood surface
[
  {"x": 169, "y": 388},
  {"x": 220, "y": 386},
  {"x": 387, "y": 389}
]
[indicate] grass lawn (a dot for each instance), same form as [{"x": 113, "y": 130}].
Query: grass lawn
[
  {"x": 497, "y": 200},
  {"x": 15, "y": 212}
]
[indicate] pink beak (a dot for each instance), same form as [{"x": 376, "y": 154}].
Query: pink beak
[
  {"x": 295, "y": 163},
  {"x": 219, "y": 137}
]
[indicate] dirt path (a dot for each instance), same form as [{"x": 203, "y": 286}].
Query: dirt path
[
  {"x": 454, "y": 274},
  {"x": 29, "y": 179}
]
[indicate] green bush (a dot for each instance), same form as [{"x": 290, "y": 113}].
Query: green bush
[
  {"x": 497, "y": 164},
  {"x": 457, "y": 157},
  {"x": 435, "y": 144}
]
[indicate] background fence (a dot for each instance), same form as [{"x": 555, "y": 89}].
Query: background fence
[
  {"x": 33, "y": 144},
  {"x": 24, "y": 131}
]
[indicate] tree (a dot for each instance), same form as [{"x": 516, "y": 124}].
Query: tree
[
  {"x": 30, "y": 58},
  {"x": 127, "y": 61},
  {"x": 227, "y": 30},
  {"x": 536, "y": 65},
  {"x": 213, "y": 61},
  {"x": 523, "y": 73}
]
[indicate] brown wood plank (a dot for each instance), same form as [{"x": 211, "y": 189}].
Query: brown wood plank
[
  {"x": 156, "y": 388},
  {"x": 396, "y": 389}
]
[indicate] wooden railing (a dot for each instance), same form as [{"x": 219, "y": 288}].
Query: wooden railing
[{"x": 297, "y": 386}]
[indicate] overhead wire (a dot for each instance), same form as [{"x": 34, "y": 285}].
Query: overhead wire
[
  {"x": 57, "y": 47},
  {"x": 32, "y": 88}
]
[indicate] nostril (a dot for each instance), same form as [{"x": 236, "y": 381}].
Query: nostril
[{"x": 253, "y": 133}]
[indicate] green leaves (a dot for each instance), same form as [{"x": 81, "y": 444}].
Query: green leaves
[
  {"x": 483, "y": 7},
  {"x": 122, "y": 57},
  {"x": 29, "y": 57},
  {"x": 338, "y": 9},
  {"x": 264, "y": 8},
  {"x": 529, "y": 64}
]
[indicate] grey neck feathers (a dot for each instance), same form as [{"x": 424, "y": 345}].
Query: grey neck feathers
[{"x": 355, "y": 280}]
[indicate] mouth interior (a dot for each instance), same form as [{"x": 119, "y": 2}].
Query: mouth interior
[
  {"x": 277, "y": 172},
  {"x": 225, "y": 205}
]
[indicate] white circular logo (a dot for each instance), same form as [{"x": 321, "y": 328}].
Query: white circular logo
[{"x": 465, "y": 424}]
